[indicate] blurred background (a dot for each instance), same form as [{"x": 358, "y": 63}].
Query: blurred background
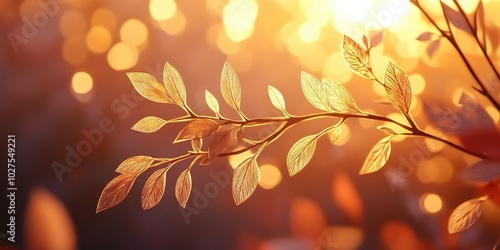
[{"x": 65, "y": 95}]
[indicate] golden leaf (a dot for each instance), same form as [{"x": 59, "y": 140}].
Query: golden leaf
[
  {"x": 230, "y": 87},
  {"x": 183, "y": 187},
  {"x": 314, "y": 91},
  {"x": 116, "y": 190},
  {"x": 135, "y": 164},
  {"x": 149, "y": 124},
  {"x": 239, "y": 134},
  {"x": 219, "y": 143},
  {"x": 335, "y": 134},
  {"x": 245, "y": 180},
  {"x": 154, "y": 189},
  {"x": 357, "y": 58},
  {"x": 277, "y": 99},
  {"x": 386, "y": 130},
  {"x": 465, "y": 215},
  {"x": 377, "y": 157},
  {"x": 212, "y": 102},
  {"x": 197, "y": 129},
  {"x": 398, "y": 88},
  {"x": 196, "y": 144},
  {"x": 339, "y": 98},
  {"x": 300, "y": 154},
  {"x": 174, "y": 85},
  {"x": 148, "y": 87}
]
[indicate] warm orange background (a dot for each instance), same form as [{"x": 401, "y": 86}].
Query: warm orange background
[{"x": 63, "y": 68}]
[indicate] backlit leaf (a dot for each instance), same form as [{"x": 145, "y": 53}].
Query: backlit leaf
[
  {"x": 116, "y": 190},
  {"x": 149, "y": 88},
  {"x": 154, "y": 189},
  {"x": 335, "y": 134},
  {"x": 149, "y": 124},
  {"x": 135, "y": 164},
  {"x": 197, "y": 129},
  {"x": 425, "y": 36},
  {"x": 398, "y": 88},
  {"x": 483, "y": 171},
  {"x": 465, "y": 215},
  {"x": 276, "y": 98},
  {"x": 386, "y": 130},
  {"x": 196, "y": 144},
  {"x": 245, "y": 180},
  {"x": 300, "y": 154},
  {"x": 314, "y": 91},
  {"x": 456, "y": 18},
  {"x": 212, "y": 102},
  {"x": 339, "y": 98},
  {"x": 433, "y": 48},
  {"x": 183, "y": 187},
  {"x": 356, "y": 57},
  {"x": 230, "y": 87},
  {"x": 219, "y": 143},
  {"x": 377, "y": 157},
  {"x": 174, "y": 85}
]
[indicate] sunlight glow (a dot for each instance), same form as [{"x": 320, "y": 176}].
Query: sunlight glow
[
  {"x": 356, "y": 16},
  {"x": 239, "y": 17},
  {"x": 309, "y": 32}
]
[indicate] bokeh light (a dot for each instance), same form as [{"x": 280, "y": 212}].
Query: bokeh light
[
  {"x": 270, "y": 176},
  {"x": 105, "y": 18},
  {"x": 122, "y": 56},
  {"x": 344, "y": 137},
  {"x": 134, "y": 32},
  {"x": 98, "y": 39},
  {"x": 174, "y": 25},
  {"x": 235, "y": 160},
  {"x": 437, "y": 169},
  {"x": 162, "y": 10},
  {"x": 431, "y": 203},
  {"x": 307, "y": 219},
  {"x": 82, "y": 82},
  {"x": 239, "y": 17}
]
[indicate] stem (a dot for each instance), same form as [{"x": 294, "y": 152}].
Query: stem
[{"x": 424, "y": 134}]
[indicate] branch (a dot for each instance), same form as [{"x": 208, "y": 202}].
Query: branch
[{"x": 449, "y": 36}]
